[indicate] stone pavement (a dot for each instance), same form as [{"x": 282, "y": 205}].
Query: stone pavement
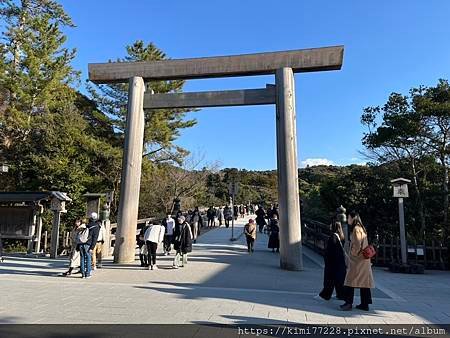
[{"x": 222, "y": 283}]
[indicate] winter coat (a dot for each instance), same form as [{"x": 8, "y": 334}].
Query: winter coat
[
  {"x": 359, "y": 269},
  {"x": 250, "y": 230},
  {"x": 94, "y": 228},
  {"x": 155, "y": 233},
  {"x": 227, "y": 213},
  {"x": 211, "y": 213},
  {"x": 334, "y": 272},
  {"x": 219, "y": 213},
  {"x": 168, "y": 228},
  {"x": 260, "y": 215},
  {"x": 274, "y": 237},
  {"x": 183, "y": 239}
]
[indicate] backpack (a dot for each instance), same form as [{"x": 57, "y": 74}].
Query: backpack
[{"x": 83, "y": 236}]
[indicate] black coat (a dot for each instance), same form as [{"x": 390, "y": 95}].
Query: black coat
[
  {"x": 335, "y": 268},
  {"x": 183, "y": 239},
  {"x": 94, "y": 229},
  {"x": 260, "y": 215},
  {"x": 274, "y": 237}
]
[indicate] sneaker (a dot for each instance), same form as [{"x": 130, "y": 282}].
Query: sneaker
[
  {"x": 175, "y": 267},
  {"x": 149, "y": 267},
  {"x": 155, "y": 267},
  {"x": 99, "y": 266},
  {"x": 87, "y": 277},
  {"x": 94, "y": 268}
]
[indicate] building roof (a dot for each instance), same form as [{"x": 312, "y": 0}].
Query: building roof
[{"x": 31, "y": 196}]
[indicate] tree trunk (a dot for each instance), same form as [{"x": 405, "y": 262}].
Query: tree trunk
[
  {"x": 445, "y": 182},
  {"x": 419, "y": 197}
]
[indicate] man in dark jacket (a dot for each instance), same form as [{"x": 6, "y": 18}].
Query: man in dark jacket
[
  {"x": 87, "y": 248},
  {"x": 211, "y": 214},
  {"x": 260, "y": 218}
]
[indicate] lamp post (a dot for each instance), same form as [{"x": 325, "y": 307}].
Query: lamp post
[
  {"x": 400, "y": 186},
  {"x": 232, "y": 189}
]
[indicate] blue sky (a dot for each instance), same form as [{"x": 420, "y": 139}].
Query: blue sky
[{"x": 389, "y": 46}]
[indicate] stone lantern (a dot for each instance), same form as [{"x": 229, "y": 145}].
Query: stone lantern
[{"x": 400, "y": 187}]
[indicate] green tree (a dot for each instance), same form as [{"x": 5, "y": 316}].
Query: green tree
[{"x": 162, "y": 126}]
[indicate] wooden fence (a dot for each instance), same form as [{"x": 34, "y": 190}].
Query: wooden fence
[{"x": 432, "y": 254}]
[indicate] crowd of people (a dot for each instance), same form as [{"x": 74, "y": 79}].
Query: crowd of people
[{"x": 347, "y": 263}]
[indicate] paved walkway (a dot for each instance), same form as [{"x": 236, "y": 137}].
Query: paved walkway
[{"x": 222, "y": 283}]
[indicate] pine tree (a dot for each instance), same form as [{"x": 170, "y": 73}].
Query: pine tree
[{"x": 162, "y": 126}]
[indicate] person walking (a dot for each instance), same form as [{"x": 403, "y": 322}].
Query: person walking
[
  {"x": 87, "y": 239},
  {"x": 143, "y": 253},
  {"x": 335, "y": 269},
  {"x": 235, "y": 212},
  {"x": 228, "y": 215},
  {"x": 274, "y": 234},
  {"x": 261, "y": 218},
  {"x": 182, "y": 243},
  {"x": 359, "y": 269},
  {"x": 169, "y": 227},
  {"x": 153, "y": 236},
  {"x": 211, "y": 214},
  {"x": 98, "y": 248},
  {"x": 195, "y": 223},
  {"x": 220, "y": 215},
  {"x": 74, "y": 253},
  {"x": 250, "y": 234}
]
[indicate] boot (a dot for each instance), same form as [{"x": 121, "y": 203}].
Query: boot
[{"x": 362, "y": 307}]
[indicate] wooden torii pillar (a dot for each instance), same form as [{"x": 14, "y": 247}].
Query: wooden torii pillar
[{"x": 282, "y": 64}]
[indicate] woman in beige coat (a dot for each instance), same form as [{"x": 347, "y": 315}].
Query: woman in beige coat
[
  {"x": 250, "y": 234},
  {"x": 359, "y": 269}
]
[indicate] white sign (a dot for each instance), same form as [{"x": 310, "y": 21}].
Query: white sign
[
  {"x": 57, "y": 205},
  {"x": 401, "y": 191}
]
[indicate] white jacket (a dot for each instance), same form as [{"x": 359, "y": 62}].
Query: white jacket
[{"x": 155, "y": 233}]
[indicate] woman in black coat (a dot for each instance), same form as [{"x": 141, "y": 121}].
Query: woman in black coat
[
  {"x": 274, "y": 237},
  {"x": 335, "y": 269},
  {"x": 182, "y": 243}
]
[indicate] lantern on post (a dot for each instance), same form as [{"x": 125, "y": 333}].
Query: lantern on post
[
  {"x": 4, "y": 168},
  {"x": 400, "y": 186},
  {"x": 57, "y": 205}
]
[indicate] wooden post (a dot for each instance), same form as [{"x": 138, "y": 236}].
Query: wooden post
[
  {"x": 45, "y": 241},
  {"x": 125, "y": 245},
  {"x": 39, "y": 228},
  {"x": 55, "y": 234},
  {"x": 288, "y": 195}
]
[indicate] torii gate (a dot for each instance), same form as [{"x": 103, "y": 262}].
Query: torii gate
[{"x": 282, "y": 64}]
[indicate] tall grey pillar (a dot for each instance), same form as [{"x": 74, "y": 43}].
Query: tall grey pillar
[
  {"x": 401, "y": 214},
  {"x": 288, "y": 196},
  {"x": 125, "y": 244}
]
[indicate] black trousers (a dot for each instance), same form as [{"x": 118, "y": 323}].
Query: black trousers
[
  {"x": 250, "y": 243},
  {"x": 151, "y": 247},
  {"x": 168, "y": 240},
  {"x": 366, "y": 295},
  {"x": 328, "y": 288}
]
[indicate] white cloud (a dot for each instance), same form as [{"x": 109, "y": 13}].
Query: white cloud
[{"x": 315, "y": 161}]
